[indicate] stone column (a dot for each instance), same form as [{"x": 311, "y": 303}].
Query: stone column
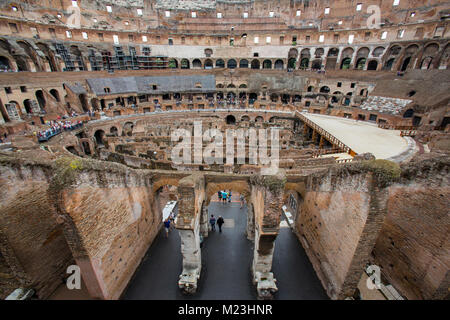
[
  {"x": 250, "y": 222},
  {"x": 204, "y": 221},
  {"x": 267, "y": 199},
  {"x": 191, "y": 194}
]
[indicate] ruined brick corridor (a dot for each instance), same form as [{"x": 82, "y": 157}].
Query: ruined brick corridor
[{"x": 226, "y": 260}]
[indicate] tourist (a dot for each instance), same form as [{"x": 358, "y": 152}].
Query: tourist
[
  {"x": 172, "y": 221},
  {"x": 229, "y": 195},
  {"x": 167, "y": 226},
  {"x": 219, "y": 195},
  {"x": 212, "y": 221},
  {"x": 220, "y": 222},
  {"x": 224, "y": 197},
  {"x": 241, "y": 197}
]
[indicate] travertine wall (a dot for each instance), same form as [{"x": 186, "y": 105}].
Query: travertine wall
[{"x": 413, "y": 246}]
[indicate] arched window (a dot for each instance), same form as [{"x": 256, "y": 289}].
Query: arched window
[
  {"x": 325, "y": 89},
  {"x": 209, "y": 64},
  {"x": 220, "y": 63},
  {"x": 232, "y": 64},
  {"x": 373, "y": 65},
  {"x": 197, "y": 64},
  {"x": 346, "y": 63},
  {"x": 231, "y": 119},
  {"x": 267, "y": 64},
  {"x": 255, "y": 64},
  {"x": 243, "y": 63},
  {"x": 185, "y": 64},
  {"x": 279, "y": 64}
]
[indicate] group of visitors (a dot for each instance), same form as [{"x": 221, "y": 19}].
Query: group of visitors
[
  {"x": 57, "y": 127},
  {"x": 224, "y": 196},
  {"x": 220, "y": 221}
]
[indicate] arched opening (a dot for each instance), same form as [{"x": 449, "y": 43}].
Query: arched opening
[
  {"x": 255, "y": 64},
  {"x": 28, "y": 106},
  {"x": 405, "y": 63},
  {"x": 373, "y": 65},
  {"x": 285, "y": 98},
  {"x": 209, "y": 64},
  {"x": 231, "y": 64},
  {"x": 99, "y": 137},
  {"x": 231, "y": 120},
  {"x": 316, "y": 64},
  {"x": 220, "y": 63},
  {"x": 245, "y": 118},
  {"x": 408, "y": 113},
  {"x": 267, "y": 64},
  {"x": 127, "y": 129},
  {"x": 304, "y": 63},
  {"x": 292, "y": 63},
  {"x": 173, "y": 64},
  {"x": 196, "y": 64},
  {"x": 259, "y": 119},
  {"x": 4, "y": 64},
  {"x": 83, "y": 100},
  {"x": 274, "y": 97},
  {"x": 243, "y": 63},
  {"x": 426, "y": 63},
  {"x": 346, "y": 63},
  {"x": 325, "y": 89},
  {"x": 21, "y": 64},
  {"x": 279, "y": 64},
  {"x": 114, "y": 132},
  {"x": 55, "y": 94},
  {"x": 252, "y": 98},
  {"x": 41, "y": 100},
  {"x": 185, "y": 64},
  {"x": 388, "y": 65},
  {"x": 360, "y": 63},
  {"x": 31, "y": 54}
]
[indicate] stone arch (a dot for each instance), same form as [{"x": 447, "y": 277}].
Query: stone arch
[
  {"x": 267, "y": 64},
  {"x": 378, "y": 52},
  {"x": 231, "y": 64},
  {"x": 209, "y": 64},
  {"x": 196, "y": 64},
  {"x": 28, "y": 106},
  {"x": 32, "y": 54},
  {"x": 5, "y": 64},
  {"x": 389, "y": 64},
  {"x": 345, "y": 64},
  {"x": 316, "y": 64},
  {"x": 220, "y": 63},
  {"x": 99, "y": 136},
  {"x": 41, "y": 99},
  {"x": 360, "y": 63},
  {"x": 240, "y": 186},
  {"x": 292, "y": 63},
  {"x": 255, "y": 64},
  {"x": 173, "y": 64},
  {"x": 127, "y": 129},
  {"x": 279, "y": 64},
  {"x": 49, "y": 56},
  {"x": 293, "y": 53},
  {"x": 55, "y": 94},
  {"x": 243, "y": 63},
  {"x": 372, "y": 65},
  {"x": 325, "y": 89},
  {"x": 245, "y": 118},
  {"x": 259, "y": 119},
  {"x": 114, "y": 131},
  {"x": 185, "y": 64},
  {"x": 21, "y": 63},
  {"x": 408, "y": 113},
  {"x": 230, "y": 119}
]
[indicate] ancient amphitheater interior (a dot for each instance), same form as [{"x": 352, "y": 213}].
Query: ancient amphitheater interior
[{"x": 317, "y": 130}]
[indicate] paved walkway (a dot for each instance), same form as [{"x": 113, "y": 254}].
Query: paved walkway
[
  {"x": 226, "y": 262},
  {"x": 362, "y": 136}
]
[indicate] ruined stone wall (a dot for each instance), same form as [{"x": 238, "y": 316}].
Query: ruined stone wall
[
  {"x": 35, "y": 252},
  {"x": 98, "y": 215},
  {"x": 338, "y": 221},
  {"x": 413, "y": 246}
]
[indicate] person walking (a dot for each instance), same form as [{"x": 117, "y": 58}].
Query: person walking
[
  {"x": 167, "y": 226},
  {"x": 229, "y": 195},
  {"x": 220, "y": 222},
  {"x": 241, "y": 197},
  {"x": 219, "y": 194},
  {"x": 212, "y": 222}
]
